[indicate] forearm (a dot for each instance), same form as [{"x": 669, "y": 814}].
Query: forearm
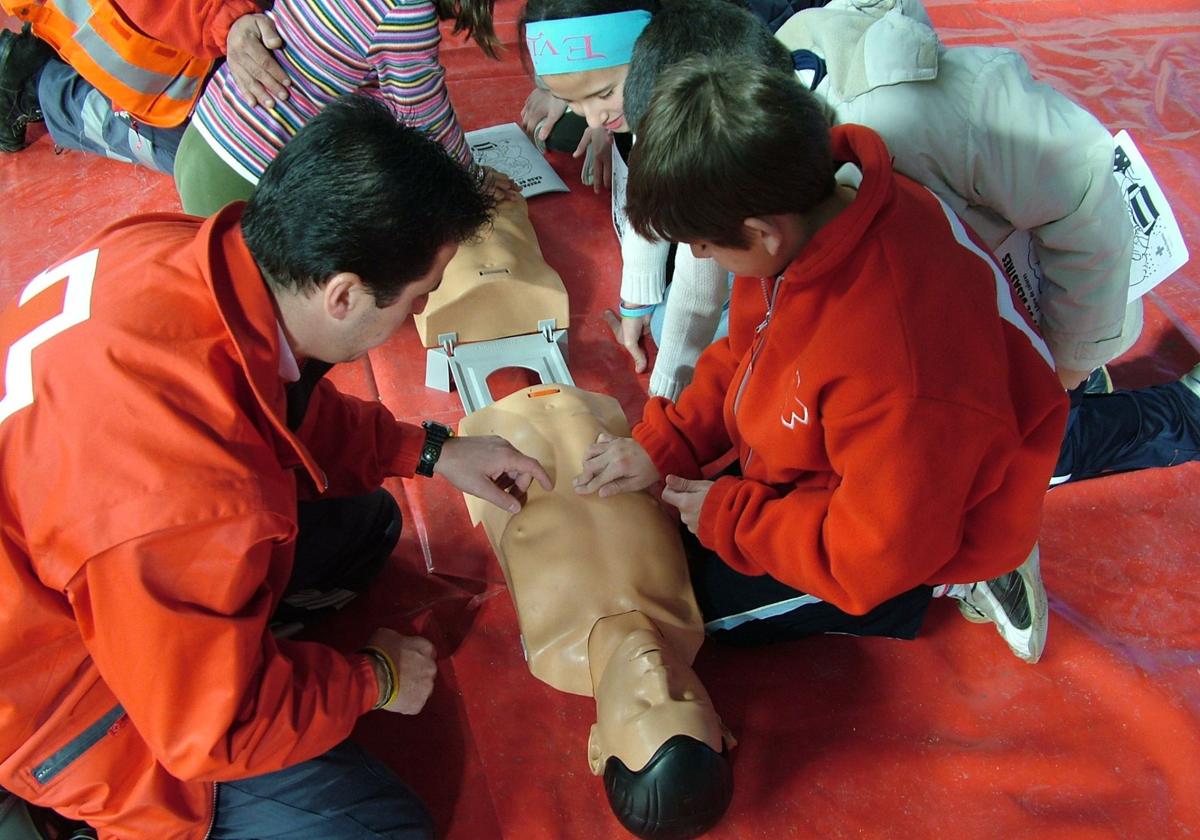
[
  {"x": 411, "y": 77},
  {"x": 1085, "y": 295},
  {"x": 682, "y": 437},
  {"x": 643, "y": 268},
  {"x": 697, "y": 296},
  {"x": 357, "y": 442}
]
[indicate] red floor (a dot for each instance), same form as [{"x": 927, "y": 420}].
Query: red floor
[{"x": 949, "y": 735}]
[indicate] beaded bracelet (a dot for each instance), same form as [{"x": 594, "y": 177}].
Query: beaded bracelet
[
  {"x": 392, "y": 686},
  {"x": 634, "y": 311}
]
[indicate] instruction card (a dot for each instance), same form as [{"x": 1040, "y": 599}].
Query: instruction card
[
  {"x": 1158, "y": 246},
  {"x": 506, "y": 148}
]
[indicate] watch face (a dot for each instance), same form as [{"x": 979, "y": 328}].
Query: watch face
[{"x": 429, "y": 452}]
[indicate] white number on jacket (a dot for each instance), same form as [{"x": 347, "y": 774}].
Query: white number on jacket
[{"x": 78, "y": 273}]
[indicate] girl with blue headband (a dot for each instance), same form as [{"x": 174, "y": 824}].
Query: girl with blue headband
[{"x": 581, "y": 52}]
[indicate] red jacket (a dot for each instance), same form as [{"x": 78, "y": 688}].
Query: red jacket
[
  {"x": 148, "y": 518},
  {"x": 896, "y": 418}
]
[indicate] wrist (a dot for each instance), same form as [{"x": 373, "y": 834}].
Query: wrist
[
  {"x": 385, "y": 675},
  {"x": 634, "y": 310},
  {"x": 436, "y": 436}
]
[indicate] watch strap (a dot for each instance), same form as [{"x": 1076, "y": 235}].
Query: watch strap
[{"x": 436, "y": 434}]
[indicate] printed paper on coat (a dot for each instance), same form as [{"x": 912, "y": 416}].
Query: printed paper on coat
[
  {"x": 506, "y": 148},
  {"x": 1158, "y": 246}
]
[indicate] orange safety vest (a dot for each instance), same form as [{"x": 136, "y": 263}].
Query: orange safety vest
[{"x": 156, "y": 83}]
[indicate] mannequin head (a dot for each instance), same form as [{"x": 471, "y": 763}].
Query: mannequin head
[
  {"x": 645, "y": 694},
  {"x": 682, "y": 792},
  {"x": 657, "y": 738}
]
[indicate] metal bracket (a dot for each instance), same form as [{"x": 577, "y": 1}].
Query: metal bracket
[
  {"x": 447, "y": 341},
  {"x": 470, "y": 365}
]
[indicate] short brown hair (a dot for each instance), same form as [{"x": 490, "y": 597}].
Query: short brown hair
[
  {"x": 720, "y": 144},
  {"x": 713, "y": 28}
]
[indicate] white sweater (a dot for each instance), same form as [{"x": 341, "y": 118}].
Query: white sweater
[{"x": 698, "y": 293}]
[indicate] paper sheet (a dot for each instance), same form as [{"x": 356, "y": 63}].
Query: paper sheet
[
  {"x": 506, "y": 148},
  {"x": 1158, "y": 246}
]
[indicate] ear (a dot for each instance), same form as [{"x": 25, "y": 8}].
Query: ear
[
  {"x": 595, "y": 751},
  {"x": 342, "y": 293},
  {"x": 766, "y": 232}
]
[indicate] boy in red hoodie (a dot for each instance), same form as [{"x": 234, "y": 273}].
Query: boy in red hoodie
[{"x": 895, "y": 417}]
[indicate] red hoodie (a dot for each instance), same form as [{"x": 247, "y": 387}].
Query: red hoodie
[
  {"x": 896, "y": 417},
  {"x": 147, "y": 531}
]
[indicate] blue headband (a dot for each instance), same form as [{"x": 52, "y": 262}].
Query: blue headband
[{"x": 571, "y": 45}]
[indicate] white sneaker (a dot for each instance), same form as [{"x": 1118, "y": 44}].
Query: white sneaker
[
  {"x": 1191, "y": 380},
  {"x": 1015, "y": 602}
]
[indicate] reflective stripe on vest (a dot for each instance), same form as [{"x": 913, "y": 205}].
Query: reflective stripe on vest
[{"x": 156, "y": 83}]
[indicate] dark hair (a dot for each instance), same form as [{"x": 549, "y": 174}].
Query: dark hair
[
  {"x": 356, "y": 190},
  {"x": 473, "y": 17},
  {"x": 536, "y": 10},
  {"x": 682, "y": 791},
  {"x": 714, "y": 28},
  {"x": 721, "y": 143}
]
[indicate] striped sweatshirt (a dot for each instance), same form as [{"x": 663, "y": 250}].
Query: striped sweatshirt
[{"x": 387, "y": 49}]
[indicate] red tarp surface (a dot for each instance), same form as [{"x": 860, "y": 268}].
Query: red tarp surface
[{"x": 839, "y": 737}]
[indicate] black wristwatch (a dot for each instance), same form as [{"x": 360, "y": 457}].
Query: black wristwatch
[{"x": 435, "y": 435}]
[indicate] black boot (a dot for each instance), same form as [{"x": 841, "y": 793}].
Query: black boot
[{"x": 21, "y": 57}]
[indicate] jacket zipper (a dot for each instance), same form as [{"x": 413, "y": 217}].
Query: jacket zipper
[
  {"x": 212, "y": 819},
  {"x": 769, "y": 299}
]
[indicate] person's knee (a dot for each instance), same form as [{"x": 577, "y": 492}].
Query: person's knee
[
  {"x": 388, "y": 525},
  {"x": 344, "y": 794}
]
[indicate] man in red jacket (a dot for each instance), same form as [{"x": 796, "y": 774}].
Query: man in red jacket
[
  {"x": 895, "y": 417},
  {"x": 174, "y": 468}
]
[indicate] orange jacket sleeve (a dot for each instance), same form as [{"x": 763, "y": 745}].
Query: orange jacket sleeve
[
  {"x": 176, "y": 623},
  {"x": 357, "y": 442},
  {"x": 199, "y": 27},
  {"x": 681, "y": 438}
]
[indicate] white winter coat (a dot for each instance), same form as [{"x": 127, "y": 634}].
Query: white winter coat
[{"x": 1003, "y": 150}]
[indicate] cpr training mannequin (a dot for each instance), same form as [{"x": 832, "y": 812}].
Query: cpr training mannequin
[
  {"x": 496, "y": 287},
  {"x": 616, "y": 620}
]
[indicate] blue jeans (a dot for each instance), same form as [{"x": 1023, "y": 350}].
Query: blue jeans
[
  {"x": 1158, "y": 426},
  {"x": 80, "y": 117},
  {"x": 343, "y": 794}
]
